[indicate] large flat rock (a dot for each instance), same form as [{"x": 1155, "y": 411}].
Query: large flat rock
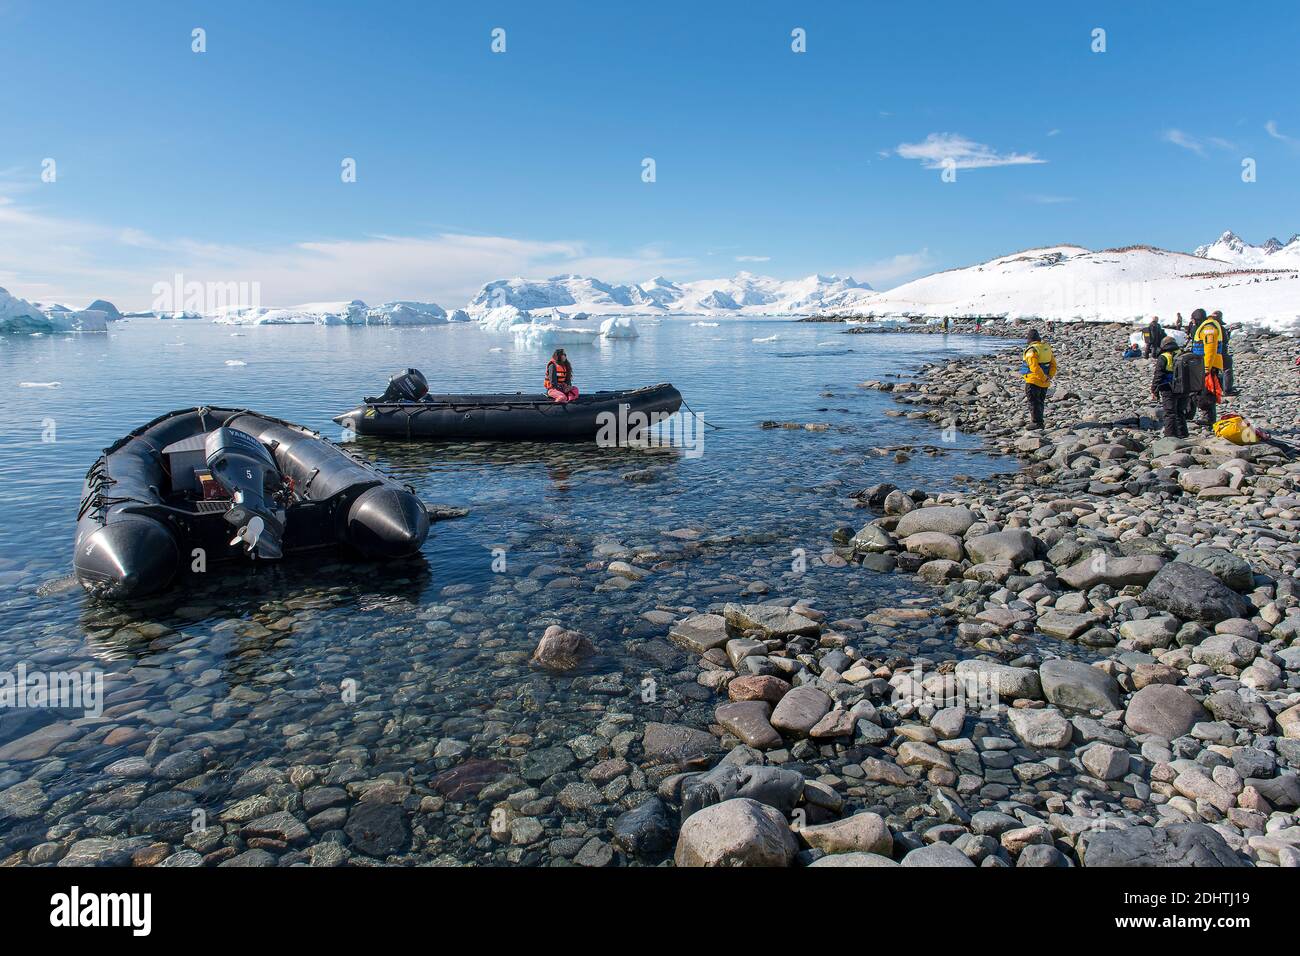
[
  {"x": 700, "y": 633},
  {"x": 1165, "y": 710},
  {"x": 953, "y": 520},
  {"x": 1181, "y": 845},
  {"x": 800, "y": 710},
  {"x": 771, "y": 619},
  {"x": 1075, "y": 685},
  {"x": 749, "y": 720}
]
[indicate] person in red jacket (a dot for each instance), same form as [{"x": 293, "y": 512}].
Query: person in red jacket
[{"x": 559, "y": 378}]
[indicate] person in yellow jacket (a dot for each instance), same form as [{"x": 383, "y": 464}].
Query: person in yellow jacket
[
  {"x": 1208, "y": 342},
  {"x": 1037, "y": 369}
]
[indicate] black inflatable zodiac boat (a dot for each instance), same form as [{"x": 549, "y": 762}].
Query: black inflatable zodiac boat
[
  {"x": 230, "y": 482},
  {"x": 407, "y": 410}
]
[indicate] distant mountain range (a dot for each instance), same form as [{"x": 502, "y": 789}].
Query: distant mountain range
[
  {"x": 1250, "y": 283},
  {"x": 1273, "y": 254},
  {"x": 1064, "y": 283},
  {"x": 742, "y": 294}
]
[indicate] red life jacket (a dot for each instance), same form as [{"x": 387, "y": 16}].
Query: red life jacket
[{"x": 557, "y": 376}]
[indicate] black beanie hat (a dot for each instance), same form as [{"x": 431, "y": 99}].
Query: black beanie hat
[{"x": 1033, "y": 335}]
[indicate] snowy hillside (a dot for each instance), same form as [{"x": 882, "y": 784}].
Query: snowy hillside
[
  {"x": 742, "y": 294},
  {"x": 1234, "y": 250},
  {"x": 1069, "y": 283}
]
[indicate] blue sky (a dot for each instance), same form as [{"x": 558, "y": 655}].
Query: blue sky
[{"x": 471, "y": 165}]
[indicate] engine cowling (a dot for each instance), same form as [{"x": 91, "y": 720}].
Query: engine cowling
[{"x": 245, "y": 469}]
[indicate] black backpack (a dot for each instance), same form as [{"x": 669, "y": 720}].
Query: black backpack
[{"x": 1189, "y": 374}]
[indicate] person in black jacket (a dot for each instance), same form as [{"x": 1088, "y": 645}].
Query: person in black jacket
[
  {"x": 1162, "y": 389},
  {"x": 1153, "y": 335}
]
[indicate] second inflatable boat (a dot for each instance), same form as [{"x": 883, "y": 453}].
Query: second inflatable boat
[{"x": 406, "y": 410}]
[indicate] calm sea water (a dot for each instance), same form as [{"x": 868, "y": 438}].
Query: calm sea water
[{"x": 441, "y": 642}]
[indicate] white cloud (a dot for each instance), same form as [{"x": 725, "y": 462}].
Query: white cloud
[
  {"x": 940, "y": 148},
  {"x": 1271, "y": 128},
  {"x": 1046, "y": 199},
  {"x": 753, "y": 258},
  {"x": 893, "y": 270},
  {"x": 1179, "y": 138},
  {"x": 50, "y": 258},
  {"x": 1195, "y": 144}
]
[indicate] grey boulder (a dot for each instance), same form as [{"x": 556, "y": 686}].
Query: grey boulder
[{"x": 1194, "y": 594}]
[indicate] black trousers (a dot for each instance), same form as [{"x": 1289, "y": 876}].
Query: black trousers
[
  {"x": 1172, "y": 406},
  {"x": 1207, "y": 402},
  {"x": 1037, "y": 397}
]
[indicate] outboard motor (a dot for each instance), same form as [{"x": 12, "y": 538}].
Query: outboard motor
[
  {"x": 245, "y": 469},
  {"x": 408, "y": 385}
]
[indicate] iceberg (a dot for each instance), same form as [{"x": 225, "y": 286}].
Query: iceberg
[
  {"x": 407, "y": 313},
  {"x": 619, "y": 327},
  {"x": 110, "y": 311},
  {"x": 531, "y": 335},
  {"x": 20, "y": 317},
  {"x": 503, "y": 318},
  {"x": 312, "y": 313}
]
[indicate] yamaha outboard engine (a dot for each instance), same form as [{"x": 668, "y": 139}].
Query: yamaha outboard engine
[
  {"x": 244, "y": 468},
  {"x": 408, "y": 385}
]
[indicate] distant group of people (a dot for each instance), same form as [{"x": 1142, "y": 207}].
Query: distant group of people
[
  {"x": 1185, "y": 378},
  {"x": 1195, "y": 375}
]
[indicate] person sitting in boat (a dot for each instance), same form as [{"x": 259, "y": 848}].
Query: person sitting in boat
[{"x": 559, "y": 378}]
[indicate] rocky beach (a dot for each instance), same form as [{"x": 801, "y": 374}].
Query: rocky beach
[{"x": 1167, "y": 734}]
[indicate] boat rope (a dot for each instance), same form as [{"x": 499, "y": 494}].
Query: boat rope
[{"x": 701, "y": 417}]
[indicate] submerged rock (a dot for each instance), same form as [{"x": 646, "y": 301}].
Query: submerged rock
[{"x": 562, "y": 650}]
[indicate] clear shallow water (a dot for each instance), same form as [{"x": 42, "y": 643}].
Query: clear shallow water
[{"x": 438, "y": 645}]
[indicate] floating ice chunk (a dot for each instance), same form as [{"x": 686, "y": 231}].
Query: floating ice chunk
[
  {"x": 619, "y": 327},
  {"x": 352, "y": 312},
  {"x": 39, "y": 384},
  {"x": 501, "y": 319},
  {"x": 407, "y": 313},
  {"x": 770, "y": 338},
  {"x": 535, "y": 336},
  {"x": 706, "y": 325},
  {"x": 235, "y": 362}
]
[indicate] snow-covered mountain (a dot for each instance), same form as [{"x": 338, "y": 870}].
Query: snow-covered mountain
[
  {"x": 742, "y": 294},
  {"x": 1071, "y": 283},
  {"x": 1273, "y": 254}
]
